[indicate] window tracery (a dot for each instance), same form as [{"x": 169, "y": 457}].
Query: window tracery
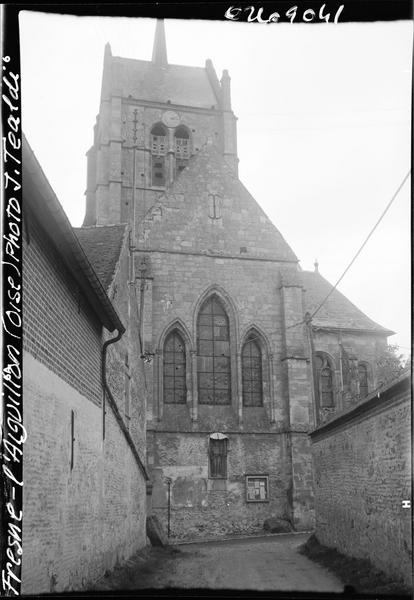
[
  {"x": 252, "y": 373},
  {"x": 174, "y": 369},
  {"x": 325, "y": 380},
  {"x": 213, "y": 350}
]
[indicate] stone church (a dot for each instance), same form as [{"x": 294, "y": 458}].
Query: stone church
[{"x": 238, "y": 370}]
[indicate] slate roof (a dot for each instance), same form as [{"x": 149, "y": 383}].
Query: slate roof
[
  {"x": 102, "y": 246},
  {"x": 178, "y": 84},
  {"x": 337, "y": 311}
]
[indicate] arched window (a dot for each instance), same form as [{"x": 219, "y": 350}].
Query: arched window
[
  {"x": 252, "y": 373},
  {"x": 181, "y": 148},
  {"x": 363, "y": 380},
  {"x": 325, "y": 379},
  {"x": 174, "y": 369},
  {"x": 158, "y": 152},
  {"x": 213, "y": 349}
]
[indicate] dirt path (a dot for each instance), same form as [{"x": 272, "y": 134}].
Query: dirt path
[{"x": 267, "y": 563}]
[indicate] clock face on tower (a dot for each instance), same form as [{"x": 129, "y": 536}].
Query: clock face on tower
[{"x": 170, "y": 118}]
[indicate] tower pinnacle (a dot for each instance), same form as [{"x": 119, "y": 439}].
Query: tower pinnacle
[{"x": 159, "y": 51}]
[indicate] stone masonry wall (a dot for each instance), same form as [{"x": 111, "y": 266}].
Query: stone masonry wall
[
  {"x": 364, "y": 347},
  {"x": 123, "y": 359},
  {"x": 203, "y": 507},
  {"x": 362, "y": 475}
]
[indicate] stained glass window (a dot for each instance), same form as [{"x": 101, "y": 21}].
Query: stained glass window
[
  {"x": 174, "y": 369},
  {"x": 252, "y": 374},
  {"x": 213, "y": 350}
]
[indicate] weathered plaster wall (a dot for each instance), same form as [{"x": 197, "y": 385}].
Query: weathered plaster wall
[
  {"x": 362, "y": 475},
  {"x": 77, "y": 523}
]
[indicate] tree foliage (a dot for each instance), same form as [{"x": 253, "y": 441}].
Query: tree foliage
[{"x": 391, "y": 363}]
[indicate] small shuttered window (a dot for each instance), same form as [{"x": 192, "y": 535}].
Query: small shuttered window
[
  {"x": 158, "y": 151},
  {"x": 181, "y": 149},
  {"x": 218, "y": 458}
]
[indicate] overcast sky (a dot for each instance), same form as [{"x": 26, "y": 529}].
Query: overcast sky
[{"x": 323, "y": 130}]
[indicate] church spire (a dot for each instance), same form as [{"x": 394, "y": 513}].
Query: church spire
[{"x": 159, "y": 51}]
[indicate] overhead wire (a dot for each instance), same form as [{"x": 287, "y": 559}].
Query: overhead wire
[
  {"x": 309, "y": 319},
  {"x": 388, "y": 206}
]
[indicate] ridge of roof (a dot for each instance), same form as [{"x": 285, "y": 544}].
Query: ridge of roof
[{"x": 155, "y": 66}]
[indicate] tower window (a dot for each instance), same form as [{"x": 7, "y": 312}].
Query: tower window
[
  {"x": 252, "y": 374},
  {"x": 363, "y": 380},
  {"x": 158, "y": 151},
  {"x": 174, "y": 369},
  {"x": 213, "y": 349},
  {"x": 325, "y": 379},
  {"x": 181, "y": 149}
]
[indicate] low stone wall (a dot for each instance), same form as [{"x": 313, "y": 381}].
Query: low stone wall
[{"x": 362, "y": 465}]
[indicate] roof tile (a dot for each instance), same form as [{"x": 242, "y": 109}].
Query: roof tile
[
  {"x": 102, "y": 246},
  {"x": 337, "y": 311}
]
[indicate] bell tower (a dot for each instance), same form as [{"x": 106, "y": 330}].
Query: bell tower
[{"x": 153, "y": 118}]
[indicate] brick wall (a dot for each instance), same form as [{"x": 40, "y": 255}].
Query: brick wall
[
  {"x": 60, "y": 329},
  {"x": 362, "y": 475}
]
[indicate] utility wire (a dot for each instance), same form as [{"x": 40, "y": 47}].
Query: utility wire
[
  {"x": 357, "y": 254},
  {"x": 364, "y": 244}
]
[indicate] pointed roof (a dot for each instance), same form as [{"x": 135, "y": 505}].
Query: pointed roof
[
  {"x": 172, "y": 84},
  {"x": 159, "y": 51},
  {"x": 337, "y": 311}
]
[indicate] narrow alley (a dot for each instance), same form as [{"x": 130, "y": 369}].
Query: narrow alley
[{"x": 262, "y": 563}]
